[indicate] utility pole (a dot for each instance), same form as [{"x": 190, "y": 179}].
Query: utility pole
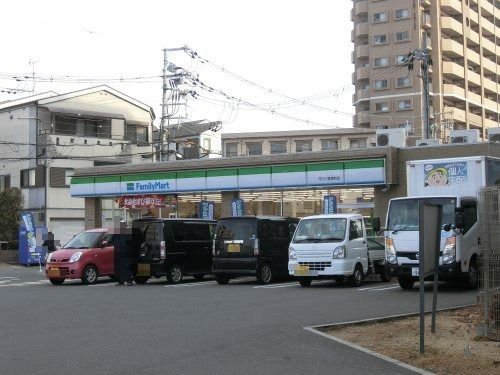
[
  {"x": 164, "y": 105},
  {"x": 424, "y": 56}
]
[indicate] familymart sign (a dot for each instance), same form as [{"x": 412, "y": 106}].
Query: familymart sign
[{"x": 324, "y": 174}]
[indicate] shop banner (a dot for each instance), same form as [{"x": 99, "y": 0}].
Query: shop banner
[
  {"x": 330, "y": 204},
  {"x": 238, "y": 207},
  {"x": 140, "y": 201},
  {"x": 206, "y": 210}
]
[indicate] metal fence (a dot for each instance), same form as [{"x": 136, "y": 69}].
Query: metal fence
[{"x": 489, "y": 261}]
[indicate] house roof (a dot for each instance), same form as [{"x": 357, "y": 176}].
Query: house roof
[
  {"x": 26, "y": 100},
  {"x": 192, "y": 128}
]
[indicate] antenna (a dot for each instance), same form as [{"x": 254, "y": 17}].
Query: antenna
[{"x": 33, "y": 62}]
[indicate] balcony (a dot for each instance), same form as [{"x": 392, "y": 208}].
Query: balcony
[
  {"x": 474, "y": 79},
  {"x": 473, "y": 56},
  {"x": 361, "y": 51},
  {"x": 451, "y": 26},
  {"x": 490, "y": 123},
  {"x": 453, "y": 90},
  {"x": 472, "y": 36},
  {"x": 474, "y": 98},
  {"x": 490, "y": 104},
  {"x": 453, "y": 7},
  {"x": 490, "y": 85},
  {"x": 453, "y": 69},
  {"x": 452, "y": 48},
  {"x": 487, "y": 7},
  {"x": 363, "y": 94},
  {"x": 362, "y": 118},
  {"x": 473, "y": 119},
  {"x": 489, "y": 65},
  {"x": 488, "y": 27},
  {"x": 361, "y": 8},
  {"x": 490, "y": 46},
  {"x": 361, "y": 30},
  {"x": 473, "y": 16},
  {"x": 362, "y": 73},
  {"x": 456, "y": 113}
]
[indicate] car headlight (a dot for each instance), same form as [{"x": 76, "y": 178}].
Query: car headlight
[
  {"x": 339, "y": 252},
  {"x": 49, "y": 258},
  {"x": 390, "y": 251},
  {"x": 75, "y": 257},
  {"x": 449, "y": 250},
  {"x": 291, "y": 253}
]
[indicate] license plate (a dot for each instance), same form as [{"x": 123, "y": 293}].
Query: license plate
[
  {"x": 53, "y": 272},
  {"x": 415, "y": 271},
  {"x": 143, "y": 269},
  {"x": 233, "y": 248},
  {"x": 302, "y": 271},
  {"x": 301, "y": 268}
]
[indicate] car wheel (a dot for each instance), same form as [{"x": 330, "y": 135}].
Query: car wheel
[
  {"x": 471, "y": 280},
  {"x": 406, "y": 282},
  {"x": 357, "y": 277},
  {"x": 384, "y": 276},
  {"x": 305, "y": 281},
  {"x": 141, "y": 279},
  {"x": 174, "y": 274},
  {"x": 265, "y": 274},
  {"x": 199, "y": 276},
  {"x": 56, "y": 281},
  {"x": 89, "y": 275},
  {"x": 222, "y": 279}
]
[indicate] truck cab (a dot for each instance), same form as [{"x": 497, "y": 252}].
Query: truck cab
[{"x": 329, "y": 246}]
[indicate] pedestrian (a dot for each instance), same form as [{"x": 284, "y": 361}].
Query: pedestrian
[{"x": 124, "y": 255}]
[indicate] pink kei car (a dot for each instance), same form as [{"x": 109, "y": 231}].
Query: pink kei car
[{"x": 87, "y": 256}]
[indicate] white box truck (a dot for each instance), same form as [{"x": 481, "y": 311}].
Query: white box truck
[{"x": 453, "y": 183}]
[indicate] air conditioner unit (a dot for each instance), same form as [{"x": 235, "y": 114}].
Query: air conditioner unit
[
  {"x": 494, "y": 135},
  {"x": 428, "y": 142},
  {"x": 464, "y": 136},
  {"x": 391, "y": 137}
]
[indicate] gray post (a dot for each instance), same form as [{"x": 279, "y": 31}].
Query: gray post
[
  {"x": 436, "y": 271},
  {"x": 421, "y": 276}
]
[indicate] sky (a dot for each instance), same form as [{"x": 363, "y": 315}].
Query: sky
[{"x": 272, "y": 65}]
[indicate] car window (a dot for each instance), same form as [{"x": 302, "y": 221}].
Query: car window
[
  {"x": 152, "y": 233},
  {"x": 470, "y": 214},
  {"x": 355, "y": 229},
  {"x": 280, "y": 230},
  {"x": 109, "y": 238},
  {"x": 191, "y": 231}
]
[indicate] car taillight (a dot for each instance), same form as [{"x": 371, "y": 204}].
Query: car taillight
[
  {"x": 163, "y": 250},
  {"x": 256, "y": 247}
]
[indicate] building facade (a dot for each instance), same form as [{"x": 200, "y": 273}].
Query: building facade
[
  {"x": 46, "y": 137},
  {"x": 463, "y": 40},
  {"x": 296, "y": 141}
]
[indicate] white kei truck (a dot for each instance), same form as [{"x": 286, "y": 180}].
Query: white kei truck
[
  {"x": 453, "y": 183},
  {"x": 334, "y": 246}
]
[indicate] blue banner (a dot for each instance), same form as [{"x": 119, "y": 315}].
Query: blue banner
[
  {"x": 206, "y": 210},
  {"x": 238, "y": 207},
  {"x": 30, "y": 251},
  {"x": 330, "y": 204}
]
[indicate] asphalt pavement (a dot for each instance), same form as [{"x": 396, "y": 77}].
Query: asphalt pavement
[{"x": 191, "y": 328}]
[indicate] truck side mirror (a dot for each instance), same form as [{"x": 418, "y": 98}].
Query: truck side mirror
[
  {"x": 447, "y": 227},
  {"x": 459, "y": 218},
  {"x": 376, "y": 224}
]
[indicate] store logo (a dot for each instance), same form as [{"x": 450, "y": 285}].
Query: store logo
[{"x": 148, "y": 186}]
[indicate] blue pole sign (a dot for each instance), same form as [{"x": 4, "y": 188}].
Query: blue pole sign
[
  {"x": 238, "y": 207},
  {"x": 206, "y": 210},
  {"x": 330, "y": 204},
  {"x": 28, "y": 253}
]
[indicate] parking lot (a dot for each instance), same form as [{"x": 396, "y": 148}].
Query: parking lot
[{"x": 192, "y": 327}]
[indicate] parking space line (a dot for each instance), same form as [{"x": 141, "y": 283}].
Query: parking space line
[
  {"x": 190, "y": 284},
  {"x": 379, "y": 286}
]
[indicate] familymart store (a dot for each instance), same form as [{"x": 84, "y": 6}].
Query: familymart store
[{"x": 277, "y": 185}]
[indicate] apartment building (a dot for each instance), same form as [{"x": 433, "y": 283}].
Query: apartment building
[
  {"x": 293, "y": 141},
  {"x": 45, "y": 137},
  {"x": 463, "y": 40}
]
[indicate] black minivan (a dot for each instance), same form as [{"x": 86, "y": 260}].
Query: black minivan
[
  {"x": 252, "y": 245},
  {"x": 173, "y": 248}
]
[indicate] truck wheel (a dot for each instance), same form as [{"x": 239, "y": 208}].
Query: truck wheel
[
  {"x": 305, "y": 281},
  {"x": 471, "y": 280},
  {"x": 357, "y": 277},
  {"x": 265, "y": 274},
  {"x": 406, "y": 282},
  {"x": 222, "y": 279},
  {"x": 174, "y": 274}
]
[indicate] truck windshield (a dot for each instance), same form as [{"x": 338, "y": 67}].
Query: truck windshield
[
  {"x": 320, "y": 230},
  {"x": 403, "y": 214}
]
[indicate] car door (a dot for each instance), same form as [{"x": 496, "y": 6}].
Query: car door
[
  {"x": 281, "y": 241},
  {"x": 106, "y": 255},
  {"x": 469, "y": 241},
  {"x": 356, "y": 247},
  {"x": 198, "y": 247}
]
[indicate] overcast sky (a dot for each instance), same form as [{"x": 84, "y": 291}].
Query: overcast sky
[{"x": 300, "y": 49}]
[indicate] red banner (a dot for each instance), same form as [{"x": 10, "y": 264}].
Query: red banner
[{"x": 140, "y": 201}]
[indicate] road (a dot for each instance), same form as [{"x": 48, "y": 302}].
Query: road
[{"x": 191, "y": 328}]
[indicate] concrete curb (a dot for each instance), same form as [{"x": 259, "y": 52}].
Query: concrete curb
[{"x": 315, "y": 330}]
